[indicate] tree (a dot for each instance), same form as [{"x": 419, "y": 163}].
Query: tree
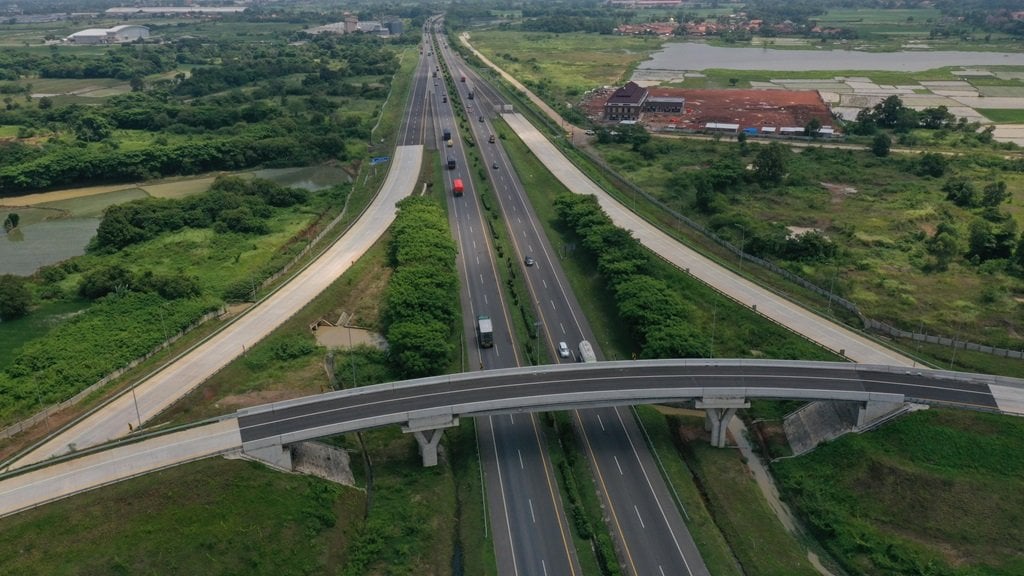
[
  {"x": 92, "y": 128},
  {"x": 881, "y": 144},
  {"x": 886, "y": 113},
  {"x": 11, "y": 222},
  {"x": 813, "y": 128},
  {"x": 770, "y": 164},
  {"x": 931, "y": 164},
  {"x": 102, "y": 281},
  {"x": 945, "y": 245},
  {"x": 935, "y": 118},
  {"x": 994, "y": 194},
  {"x": 906, "y": 120},
  {"x": 960, "y": 191},
  {"x": 15, "y": 298},
  {"x": 981, "y": 240}
]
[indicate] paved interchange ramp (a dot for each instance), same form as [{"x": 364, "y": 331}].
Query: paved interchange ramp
[{"x": 166, "y": 387}]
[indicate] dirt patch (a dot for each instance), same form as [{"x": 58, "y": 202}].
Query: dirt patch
[
  {"x": 839, "y": 192},
  {"x": 345, "y": 337},
  {"x": 795, "y": 231},
  {"x": 257, "y": 397}
]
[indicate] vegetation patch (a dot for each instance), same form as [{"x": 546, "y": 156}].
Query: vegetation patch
[
  {"x": 757, "y": 538},
  {"x": 936, "y": 492},
  {"x": 962, "y": 233},
  {"x": 1003, "y": 115},
  {"x": 421, "y": 301},
  {"x": 214, "y": 516}
]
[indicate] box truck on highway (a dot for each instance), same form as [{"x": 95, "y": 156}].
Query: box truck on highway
[
  {"x": 457, "y": 187},
  {"x": 587, "y": 352},
  {"x": 484, "y": 331}
]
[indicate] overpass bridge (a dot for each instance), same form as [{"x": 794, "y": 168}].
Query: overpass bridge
[{"x": 426, "y": 406}]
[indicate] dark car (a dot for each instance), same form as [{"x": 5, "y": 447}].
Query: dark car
[
  {"x": 495, "y": 165},
  {"x": 529, "y": 261}
]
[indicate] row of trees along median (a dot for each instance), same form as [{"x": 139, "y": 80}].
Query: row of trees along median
[{"x": 422, "y": 299}]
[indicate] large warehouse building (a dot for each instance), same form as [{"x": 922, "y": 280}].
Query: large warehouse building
[{"x": 115, "y": 35}]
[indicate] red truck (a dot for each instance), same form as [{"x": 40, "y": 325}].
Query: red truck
[{"x": 457, "y": 187}]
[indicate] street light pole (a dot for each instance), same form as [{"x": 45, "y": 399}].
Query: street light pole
[{"x": 138, "y": 415}]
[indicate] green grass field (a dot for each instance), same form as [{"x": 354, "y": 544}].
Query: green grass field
[
  {"x": 212, "y": 517},
  {"x": 881, "y": 21},
  {"x": 880, "y": 230},
  {"x": 940, "y": 489},
  {"x": 1003, "y": 116},
  {"x": 551, "y": 62},
  {"x": 757, "y": 538}
]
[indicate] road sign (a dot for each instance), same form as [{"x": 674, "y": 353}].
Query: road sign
[{"x": 379, "y": 160}]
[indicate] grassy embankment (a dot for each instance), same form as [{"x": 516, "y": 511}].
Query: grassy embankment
[
  {"x": 937, "y": 492},
  {"x": 209, "y": 517}
]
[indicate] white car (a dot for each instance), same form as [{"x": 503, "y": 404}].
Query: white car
[{"x": 563, "y": 349}]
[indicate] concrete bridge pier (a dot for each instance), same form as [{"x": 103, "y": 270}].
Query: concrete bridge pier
[
  {"x": 717, "y": 414},
  {"x": 873, "y": 411},
  {"x": 427, "y": 432}
]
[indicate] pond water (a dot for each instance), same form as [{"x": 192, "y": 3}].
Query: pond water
[
  {"x": 30, "y": 246},
  {"x": 698, "y": 56},
  {"x": 37, "y": 242},
  {"x": 310, "y": 178}
]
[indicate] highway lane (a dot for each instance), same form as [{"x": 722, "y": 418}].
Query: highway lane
[
  {"x": 662, "y": 541},
  {"x": 616, "y": 383},
  {"x": 165, "y": 387},
  {"x": 531, "y": 532}
]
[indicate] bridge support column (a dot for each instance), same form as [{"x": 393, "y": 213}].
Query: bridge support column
[
  {"x": 427, "y": 432},
  {"x": 277, "y": 456},
  {"x": 873, "y": 411},
  {"x": 717, "y": 414}
]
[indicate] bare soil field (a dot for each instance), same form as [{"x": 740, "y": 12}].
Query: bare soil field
[{"x": 748, "y": 108}]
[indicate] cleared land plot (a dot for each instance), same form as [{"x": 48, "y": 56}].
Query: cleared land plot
[
  {"x": 79, "y": 86},
  {"x": 748, "y": 108}
]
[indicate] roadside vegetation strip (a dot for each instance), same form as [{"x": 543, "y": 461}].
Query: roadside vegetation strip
[
  {"x": 583, "y": 509},
  {"x": 474, "y": 553},
  {"x": 758, "y": 539},
  {"x": 420, "y": 308},
  {"x": 228, "y": 517},
  {"x": 937, "y": 491}
]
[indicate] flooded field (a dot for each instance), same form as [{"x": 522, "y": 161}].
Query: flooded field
[
  {"x": 696, "y": 56},
  {"x": 55, "y": 226},
  {"x": 25, "y": 249}
]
